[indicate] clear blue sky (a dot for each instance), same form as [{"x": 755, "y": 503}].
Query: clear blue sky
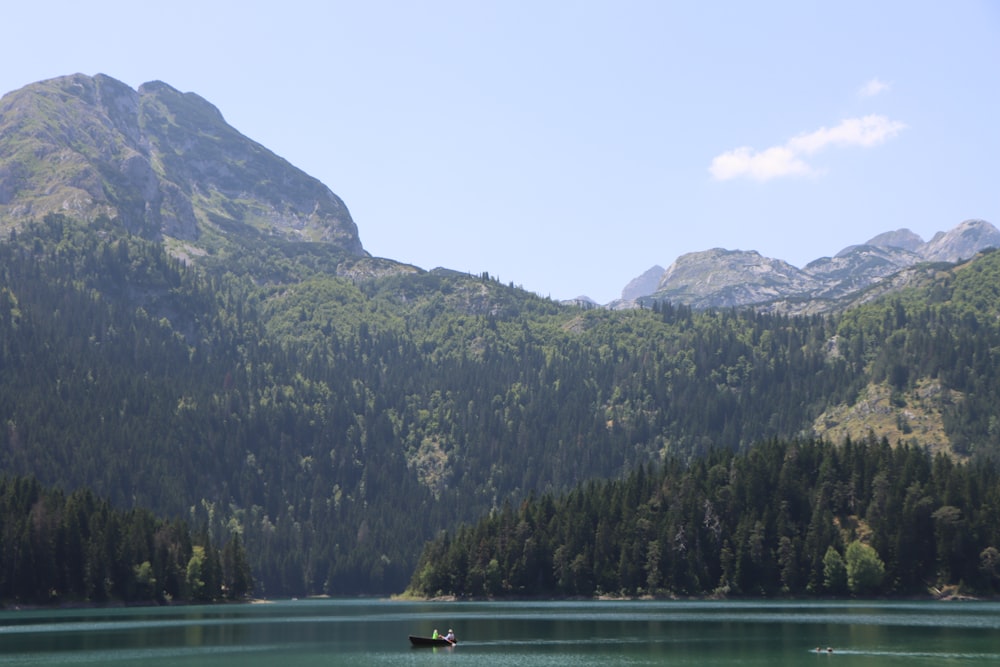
[{"x": 569, "y": 146}]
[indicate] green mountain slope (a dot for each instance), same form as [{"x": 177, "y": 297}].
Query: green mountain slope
[{"x": 339, "y": 424}]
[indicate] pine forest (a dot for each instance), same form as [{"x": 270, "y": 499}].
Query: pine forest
[
  {"x": 787, "y": 518},
  {"x": 331, "y": 427}
]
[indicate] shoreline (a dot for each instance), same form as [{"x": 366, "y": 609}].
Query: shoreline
[
  {"x": 947, "y": 594},
  {"x": 934, "y": 594}
]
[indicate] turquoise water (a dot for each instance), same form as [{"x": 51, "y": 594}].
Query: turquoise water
[{"x": 374, "y": 632}]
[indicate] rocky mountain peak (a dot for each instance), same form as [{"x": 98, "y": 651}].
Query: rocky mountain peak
[
  {"x": 643, "y": 284},
  {"x": 721, "y": 278},
  {"x": 901, "y": 238},
  {"x": 162, "y": 162},
  {"x": 962, "y": 242}
]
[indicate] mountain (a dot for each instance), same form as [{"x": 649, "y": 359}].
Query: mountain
[
  {"x": 163, "y": 164},
  {"x": 264, "y": 378},
  {"x": 644, "y": 284},
  {"x": 724, "y": 278},
  {"x": 901, "y": 238},
  {"x": 732, "y": 278},
  {"x": 962, "y": 242},
  {"x": 167, "y": 166}
]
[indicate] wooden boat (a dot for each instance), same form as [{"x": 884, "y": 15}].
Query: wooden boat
[{"x": 430, "y": 641}]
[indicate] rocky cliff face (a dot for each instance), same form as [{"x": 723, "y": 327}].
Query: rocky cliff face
[
  {"x": 723, "y": 278},
  {"x": 962, "y": 242},
  {"x": 644, "y": 284},
  {"x": 734, "y": 278},
  {"x": 165, "y": 164}
]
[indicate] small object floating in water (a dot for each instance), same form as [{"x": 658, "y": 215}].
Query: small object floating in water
[{"x": 430, "y": 641}]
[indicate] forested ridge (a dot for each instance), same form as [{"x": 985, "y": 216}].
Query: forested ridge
[
  {"x": 785, "y": 518},
  {"x": 336, "y": 425}
]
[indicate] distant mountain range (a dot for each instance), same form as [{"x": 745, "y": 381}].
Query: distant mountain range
[
  {"x": 167, "y": 166},
  {"x": 721, "y": 278}
]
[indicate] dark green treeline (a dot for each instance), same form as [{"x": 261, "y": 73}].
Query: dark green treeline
[
  {"x": 77, "y": 548},
  {"x": 798, "y": 518}
]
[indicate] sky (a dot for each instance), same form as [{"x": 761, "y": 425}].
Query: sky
[{"x": 568, "y": 146}]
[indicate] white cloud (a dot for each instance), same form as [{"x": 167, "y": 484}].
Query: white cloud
[
  {"x": 787, "y": 160},
  {"x": 865, "y": 132},
  {"x": 760, "y": 166},
  {"x": 873, "y": 88}
]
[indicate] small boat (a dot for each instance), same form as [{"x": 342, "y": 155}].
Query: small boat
[{"x": 430, "y": 641}]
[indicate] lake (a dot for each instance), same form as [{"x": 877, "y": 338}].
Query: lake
[{"x": 551, "y": 634}]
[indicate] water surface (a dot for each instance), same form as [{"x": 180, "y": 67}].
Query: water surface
[{"x": 571, "y": 634}]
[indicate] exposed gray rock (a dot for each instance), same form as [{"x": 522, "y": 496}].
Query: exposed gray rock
[
  {"x": 582, "y": 301},
  {"x": 856, "y": 267},
  {"x": 962, "y": 242},
  {"x": 733, "y": 278},
  {"x": 721, "y": 278},
  {"x": 162, "y": 162},
  {"x": 645, "y": 284},
  {"x": 901, "y": 238}
]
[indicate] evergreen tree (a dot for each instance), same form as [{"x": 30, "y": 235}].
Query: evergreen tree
[{"x": 834, "y": 572}]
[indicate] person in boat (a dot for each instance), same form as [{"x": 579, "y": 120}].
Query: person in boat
[
  {"x": 450, "y": 636},
  {"x": 435, "y": 635}
]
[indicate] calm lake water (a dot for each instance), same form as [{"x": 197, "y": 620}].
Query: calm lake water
[{"x": 374, "y": 632}]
